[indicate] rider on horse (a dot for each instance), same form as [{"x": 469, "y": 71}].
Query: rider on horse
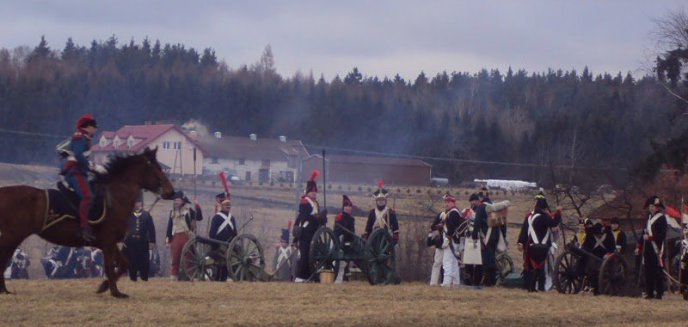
[{"x": 75, "y": 170}]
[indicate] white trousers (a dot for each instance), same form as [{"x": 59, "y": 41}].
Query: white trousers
[
  {"x": 341, "y": 272},
  {"x": 436, "y": 267},
  {"x": 451, "y": 268}
]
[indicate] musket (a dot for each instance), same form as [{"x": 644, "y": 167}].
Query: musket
[
  {"x": 324, "y": 181},
  {"x": 157, "y": 198},
  {"x": 250, "y": 219}
]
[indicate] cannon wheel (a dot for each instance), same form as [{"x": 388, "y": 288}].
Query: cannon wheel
[
  {"x": 613, "y": 275},
  {"x": 565, "y": 278},
  {"x": 505, "y": 266},
  {"x": 322, "y": 253},
  {"x": 380, "y": 258},
  {"x": 245, "y": 258},
  {"x": 194, "y": 264}
]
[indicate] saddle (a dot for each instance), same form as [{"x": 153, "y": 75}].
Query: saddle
[{"x": 63, "y": 203}]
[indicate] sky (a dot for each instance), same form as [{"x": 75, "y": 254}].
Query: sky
[{"x": 381, "y": 38}]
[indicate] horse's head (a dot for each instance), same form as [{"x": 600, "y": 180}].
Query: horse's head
[{"x": 154, "y": 179}]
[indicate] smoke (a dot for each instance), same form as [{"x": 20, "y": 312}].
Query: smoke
[{"x": 195, "y": 125}]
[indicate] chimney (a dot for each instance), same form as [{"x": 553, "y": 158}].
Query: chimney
[
  {"x": 253, "y": 137},
  {"x": 218, "y": 135},
  {"x": 283, "y": 139}
]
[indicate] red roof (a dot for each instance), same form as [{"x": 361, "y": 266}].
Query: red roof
[{"x": 146, "y": 134}]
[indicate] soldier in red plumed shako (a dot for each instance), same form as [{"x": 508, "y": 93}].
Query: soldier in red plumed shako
[
  {"x": 223, "y": 228},
  {"x": 309, "y": 220},
  {"x": 382, "y": 216},
  {"x": 535, "y": 241},
  {"x": 344, "y": 229},
  {"x": 651, "y": 248}
]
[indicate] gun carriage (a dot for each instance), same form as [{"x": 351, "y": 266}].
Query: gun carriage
[
  {"x": 243, "y": 256},
  {"x": 375, "y": 256},
  {"x": 615, "y": 275}
]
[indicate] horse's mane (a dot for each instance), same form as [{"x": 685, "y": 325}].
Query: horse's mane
[{"x": 117, "y": 166}]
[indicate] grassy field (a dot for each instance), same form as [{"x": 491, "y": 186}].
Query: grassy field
[{"x": 161, "y": 302}]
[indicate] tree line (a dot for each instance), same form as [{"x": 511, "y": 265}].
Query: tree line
[{"x": 524, "y": 121}]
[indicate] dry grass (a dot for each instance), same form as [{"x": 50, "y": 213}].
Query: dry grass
[{"x": 160, "y": 302}]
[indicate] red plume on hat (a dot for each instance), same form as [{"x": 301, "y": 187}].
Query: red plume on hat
[
  {"x": 86, "y": 120},
  {"x": 310, "y": 185},
  {"x": 314, "y": 175},
  {"x": 381, "y": 192}
]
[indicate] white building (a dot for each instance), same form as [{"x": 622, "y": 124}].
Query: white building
[
  {"x": 252, "y": 158},
  {"x": 175, "y": 147}
]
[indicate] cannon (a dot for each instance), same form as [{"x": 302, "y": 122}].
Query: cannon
[
  {"x": 612, "y": 273},
  {"x": 243, "y": 256},
  {"x": 375, "y": 256}
]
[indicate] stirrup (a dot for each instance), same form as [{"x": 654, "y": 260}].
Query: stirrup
[{"x": 87, "y": 235}]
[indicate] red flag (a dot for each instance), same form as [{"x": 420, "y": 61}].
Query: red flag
[{"x": 673, "y": 212}]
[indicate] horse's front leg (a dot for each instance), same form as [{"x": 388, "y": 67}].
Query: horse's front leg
[
  {"x": 122, "y": 263},
  {"x": 110, "y": 255}
]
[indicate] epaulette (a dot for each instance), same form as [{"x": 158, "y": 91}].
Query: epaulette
[
  {"x": 339, "y": 217},
  {"x": 304, "y": 200}
]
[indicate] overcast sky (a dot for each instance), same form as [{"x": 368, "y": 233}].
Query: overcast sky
[{"x": 381, "y": 38}]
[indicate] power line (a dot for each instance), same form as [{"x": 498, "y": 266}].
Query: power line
[
  {"x": 458, "y": 160},
  {"x": 386, "y": 154},
  {"x": 10, "y": 131}
]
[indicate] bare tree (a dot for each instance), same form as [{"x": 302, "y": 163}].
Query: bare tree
[{"x": 671, "y": 63}]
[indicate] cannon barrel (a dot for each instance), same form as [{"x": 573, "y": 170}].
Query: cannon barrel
[
  {"x": 206, "y": 240},
  {"x": 349, "y": 231},
  {"x": 583, "y": 253}
]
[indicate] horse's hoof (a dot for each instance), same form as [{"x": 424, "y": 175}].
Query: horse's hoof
[
  {"x": 5, "y": 292},
  {"x": 120, "y": 295},
  {"x": 103, "y": 287}
]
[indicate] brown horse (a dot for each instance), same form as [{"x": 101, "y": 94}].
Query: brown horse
[{"x": 24, "y": 211}]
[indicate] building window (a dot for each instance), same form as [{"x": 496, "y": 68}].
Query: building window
[
  {"x": 166, "y": 145},
  {"x": 177, "y": 145},
  {"x": 214, "y": 160},
  {"x": 242, "y": 162}
]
